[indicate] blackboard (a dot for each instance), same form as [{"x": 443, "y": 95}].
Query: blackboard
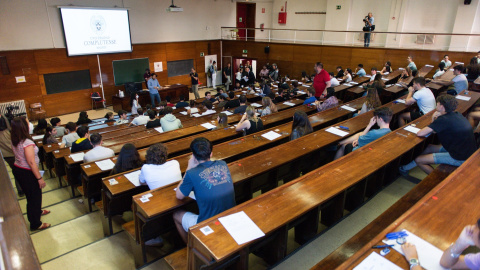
[
  {"x": 67, "y": 81},
  {"x": 130, "y": 70},
  {"x": 181, "y": 67}
]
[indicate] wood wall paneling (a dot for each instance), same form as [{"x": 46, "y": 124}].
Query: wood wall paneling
[{"x": 56, "y": 60}]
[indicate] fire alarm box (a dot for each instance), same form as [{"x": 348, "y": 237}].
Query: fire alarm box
[{"x": 282, "y": 17}]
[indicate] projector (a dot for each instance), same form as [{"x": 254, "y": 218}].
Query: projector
[{"x": 174, "y": 9}]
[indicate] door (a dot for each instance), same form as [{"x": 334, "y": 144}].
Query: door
[{"x": 246, "y": 19}]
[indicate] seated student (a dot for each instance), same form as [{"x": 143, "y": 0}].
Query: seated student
[
  {"x": 128, "y": 159},
  {"x": 135, "y": 105},
  {"x": 221, "y": 92},
  {"x": 348, "y": 75},
  {"x": 382, "y": 117},
  {"x": 411, "y": 64},
  {"x": 446, "y": 61},
  {"x": 474, "y": 116},
  {"x": 208, "y": 108},
  {"x": 72, "y": 135},
  {"x": 30, "y": 126},
  {"x": 457, "y": 142},
  {"x": 240, "y": 109},
  {"x": 305, "y": 77},
  {"x": 311, "y": 96},
  {"x": 212, "y": 198},
  {"x": 222, "y": 121},
  {"x": 83, "y": 143},
  {"x": 377, "y": 83},
  {"x": 440, "y": 71},
  {"x": 268, "y": 107},
  {"x": 98, "y": 152},
  {"x": 373, "y": 74},
  {"x": 50, "y": 134},
  {"x": 221, "y": 102},
  {"x": 360, "y": 72},
  {"x": 182, "y": 103},
  {"x": 193, "y": 109},
  {"x": 148, "y": 107},
  {"x": 293, "y": 91},
  {"x": 333, "y": 81},
  {"x": 154, "y": 121},
  {"x": 329, "y": 102},
  {"x": 237, "y": 86},
  {"x": 140, "y": 119},
  {"x": 472, "y": 70},
  {"x": 301, "y": 125},
  {"x": 280, "y": 98},
  {"x": 169, "y": 121},
  {"x": 421, "y": 95},
  {"x": 161, "y": 108},
  {"x": 109, "y": 116},
  {"x": 250, "y": 123},
  {"x": 283, "y": 84},
  {"x": 340, "y": 73},
  {"x": 122, "y": 118},
  {"x": 372, "y": 101},
  {"x": 83, "y": 119},
  {"x": 157, "y": 171},
  {"x": 57, "y": 123},
  {"x": 208, "y": 96},
  {"x": 169, "y": 103},
  {"x": 405, "y": 78},
  {"x": 265, "y": 88},
  {"x": 459, "y": 82},
  {"x": 387, "y": 68},
  {"x": 40, "y": 127}
]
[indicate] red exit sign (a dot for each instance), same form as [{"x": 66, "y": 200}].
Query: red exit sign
[{"x": 263, "y": 10}]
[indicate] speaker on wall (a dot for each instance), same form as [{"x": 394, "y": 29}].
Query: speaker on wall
[
  {"x": 267, "y": 49},
  {"x": 467, "y": 2},
  {"x": 4, "y": 65}
]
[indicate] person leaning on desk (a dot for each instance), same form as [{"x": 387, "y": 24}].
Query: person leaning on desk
[{"x": 451, "y": 257}]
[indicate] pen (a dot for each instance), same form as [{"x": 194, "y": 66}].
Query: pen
[
  {"x": 346, "y": 128},
  {"x": 382, "y": 246}
]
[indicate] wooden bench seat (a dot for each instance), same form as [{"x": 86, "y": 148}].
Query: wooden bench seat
[{"x": 177, "y": 260}]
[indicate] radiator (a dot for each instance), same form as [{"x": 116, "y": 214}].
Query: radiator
[{"x": 19, "y": 103}]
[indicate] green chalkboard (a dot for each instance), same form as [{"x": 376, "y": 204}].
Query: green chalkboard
[
  {"x": 130, "y": 70},
  {"x": 67, "y": 81}
]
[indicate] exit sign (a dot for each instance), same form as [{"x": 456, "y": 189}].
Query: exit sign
[
  {"x": 202, "y": 54},
  {"x": 245, "y": 51},
  {"x": 339, "y": 7}
]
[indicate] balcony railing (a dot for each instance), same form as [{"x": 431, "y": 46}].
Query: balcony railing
[{"x": 424, "y": 41}]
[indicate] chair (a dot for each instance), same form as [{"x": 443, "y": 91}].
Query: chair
[
  {"x": 36, "y": 111},
  {"x": 96, "y": 98}
]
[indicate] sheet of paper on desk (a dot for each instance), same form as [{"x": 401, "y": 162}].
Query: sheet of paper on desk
[
  {"x": 105, "y": 165},
  {"x": 133, "y": 177},
  {"x": 196, "y": 115},
  {"x": 375, "y": 261},
  {"x": 38, "y": 137},
  {"x": 227, "y": 112},
  {"x": 463, "y": 97},
  {"x": 352, "y": 82},
  {"x": 301, "y": 92},
  {"x": 187, "y": 108},
  {"x": 256, "y": 105},
  {"x": 184, "y": 113},
  {"x": 241, "y": 227},
  {"x": 271, "y": 135},
  {"x": 159, "y": 129},
  {"x": 398, "y": 84},
  {"x": 348, "y": 108},
  {"x": 386, "y": 73},
  {"x": 385, "y": 79},
  {"x": 208, "y": 125},
  {"x": 289, "y": 103},
  {"x": 428, "y": 254},
  {"x": 337, "y": 131},
  {"x": 77, "y": 156},
  {"x": 412, "y": 129},
  {"x": 428, "y": 65},
  {"x": 400, "y": 101}
]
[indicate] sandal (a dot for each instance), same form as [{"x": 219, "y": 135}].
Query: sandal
[
  {"x": 45, "y": 212},
  {"x": 44, "y": 226}
]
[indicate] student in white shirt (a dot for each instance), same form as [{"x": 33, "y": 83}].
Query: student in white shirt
[
  {"x": 157, "y": 171},
  {"x": 333, "y": 81},
  {"x": 440, "y": 71},
  {"x": 446, "y": 61},
  {"x": 421, "y": 95},
  {"x": 140, "y": 119},
  {"x": 98, "y": 152},
  {"x": 122, "y": 118},
  {"x": 348, "y": 75}
]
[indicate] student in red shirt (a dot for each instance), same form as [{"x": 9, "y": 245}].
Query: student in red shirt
[{"x": 321, "y": 81}]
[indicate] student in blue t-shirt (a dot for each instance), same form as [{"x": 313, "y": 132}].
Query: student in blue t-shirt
[
  {"x": 211, "y": 183},
  {"x": 382, "y": 117},
  {"x": 311, "y": 96},
  {"x": 360, "y": 71}
]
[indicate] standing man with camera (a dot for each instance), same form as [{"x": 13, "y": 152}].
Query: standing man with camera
[
  {"x": 369, "y": 27},
  {"x": 194, "y": 77}
]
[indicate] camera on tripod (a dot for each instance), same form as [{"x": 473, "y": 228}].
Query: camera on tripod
[{"x": 10, "y": 112}]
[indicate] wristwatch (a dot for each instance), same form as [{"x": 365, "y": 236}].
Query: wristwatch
[{"x": 413, "y": 262}]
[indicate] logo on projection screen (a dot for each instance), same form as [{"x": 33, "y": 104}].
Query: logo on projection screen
[{"x": 98, "y": 24}]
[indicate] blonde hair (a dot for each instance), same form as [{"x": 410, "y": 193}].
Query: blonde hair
[{"x": 251, "y": 114}]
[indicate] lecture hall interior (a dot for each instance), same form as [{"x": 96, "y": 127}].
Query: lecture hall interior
[{"x": 318, "y": 200}]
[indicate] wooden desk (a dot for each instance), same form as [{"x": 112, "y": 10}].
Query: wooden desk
[
  {"x": 298, "y": 203},
  {"x": 174, "y": 91},
  {"x": 391, "y": 77},
  {"x": 439, "y": 217}
]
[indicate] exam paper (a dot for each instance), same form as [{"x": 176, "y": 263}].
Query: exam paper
[
  {"x": 159, "y": 129},
  {"x": 428, "y": 65},
  {"x": 428, "y": 254},
  {"x": 187, "y": 108},
  {"x": 241, "y": 227},
  {"x": 209, "y": 112},
  {"x": 184, "y": 113},
  {"x": 77, "y": 156},
  {"x": 196, "y": 115},
  {"x": 301, "y": 92},
  {"x": 105, "y": 165},
  {"x": 271, "y": 135},
  {"x": 227, "y": 113},
  {"x": 375, "y": 261},
  {"x": 337, "y": 131},
  {"x": 401, "y": 101},
  {"x": 412, "y": 129},
  {"x": 38, "y": 137},
  {"x": 398, "y": 84},
  {"x": 352, "y": 82},
  {"x": 348, "y": 108},
  {"x": 463, "y": 97},
  {"x": 133, "y": 177},
  {"x": 207, "y": 125},
  {"x": 289, "y": 103},
  {"x": 256, "y": 105}
]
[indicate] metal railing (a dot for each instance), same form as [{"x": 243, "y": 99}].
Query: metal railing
[{"x": 379, "y": 39}]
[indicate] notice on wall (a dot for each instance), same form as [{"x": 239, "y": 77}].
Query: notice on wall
[
  {"x": 158, "y": 66},
  {"x": 20, "y": 79}
]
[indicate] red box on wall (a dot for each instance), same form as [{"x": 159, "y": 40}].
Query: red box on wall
[{"x": 282, "y": 17}]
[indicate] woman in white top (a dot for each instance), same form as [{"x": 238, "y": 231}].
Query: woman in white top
[
  {"x": 440, "y": 71},
  {"x": 135, "y": 105},
  {"x": 157, "y": 171},
  {"x": 348, "y": 76}
]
